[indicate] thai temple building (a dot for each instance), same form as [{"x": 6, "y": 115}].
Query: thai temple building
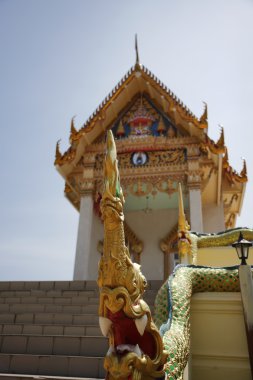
[
  {"x": 182, "y": 199},
  {"x": 158, "y": 290},
  {"x": 160, "y": 143}
]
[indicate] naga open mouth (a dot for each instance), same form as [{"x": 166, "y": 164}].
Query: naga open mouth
[
  {"x": 129, "y": 334},
  {"x": 122, "y": 349}
]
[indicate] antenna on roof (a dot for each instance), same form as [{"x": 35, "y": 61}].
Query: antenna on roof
[{"x": 137, "y": 62}]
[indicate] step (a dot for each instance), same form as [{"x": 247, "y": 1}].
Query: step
[
  {"x": 7, "y": 376},
  {"x": 54, "y": 345},
  {"x": 49, "y": 293},
  {"x": 50, "y": 318},
  {"x": 61, "y": 285},
  {"x": 48, "y": 285},
  {"x": 40, "y": 329},
  {"x": 56, "y": 296},
  {"x": 48, "y": 308},
  {"x": 52, "y": 365},
  {"x": 75, "y": 305}
]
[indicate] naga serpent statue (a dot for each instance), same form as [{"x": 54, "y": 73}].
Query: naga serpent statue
[{"x": 135, "y": 344}]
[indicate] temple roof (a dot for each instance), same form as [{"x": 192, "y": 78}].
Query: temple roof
[
  {"x": 141, "y": 101},
  {"x": 137, "y": 80}
]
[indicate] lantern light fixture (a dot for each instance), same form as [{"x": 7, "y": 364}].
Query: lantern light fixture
[{"x": 242, "y": 248}]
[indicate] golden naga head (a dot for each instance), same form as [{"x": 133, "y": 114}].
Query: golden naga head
[{"x": 136, "y": 347}]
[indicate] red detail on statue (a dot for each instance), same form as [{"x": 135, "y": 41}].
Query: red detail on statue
[{"x": 125, "y": 332}]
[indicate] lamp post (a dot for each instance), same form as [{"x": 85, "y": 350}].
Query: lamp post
[
  {"x": 242, "y": 247},
  {"x": 246, "y": 285}
]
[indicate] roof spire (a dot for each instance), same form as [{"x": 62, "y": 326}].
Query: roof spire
[
  {"x": 137, "y": 61},
  {"x": 204, "y": 117},
  {"x": 73, "y": 130},
  {"x": 58, "y": 154},
  {"x": 72, "y": 126},
  {"x": 221, "y": 142},
  {"x": 244, "y": 169},
  {"x": 182, "y": 222}
]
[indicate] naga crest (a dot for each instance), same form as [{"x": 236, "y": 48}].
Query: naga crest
[{"x": 135, "y": 345}]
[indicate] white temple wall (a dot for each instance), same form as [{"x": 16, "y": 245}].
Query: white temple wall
[
  {"x": 97, "y": 234},
  {"x": 196, "y": 212},
  {"x": 90, "y": 231},
  {"x": 213, "y": 217},
  {"x": 151, "y": 228}
]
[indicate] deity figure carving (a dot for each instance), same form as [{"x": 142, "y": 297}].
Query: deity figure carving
[{"x": 135, "y": 345}]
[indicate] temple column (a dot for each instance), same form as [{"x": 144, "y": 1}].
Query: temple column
[
  {"x": 84, "y": 240},
  {"x": 195, "y": 205}
]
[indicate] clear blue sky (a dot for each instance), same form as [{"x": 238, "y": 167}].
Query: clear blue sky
[{"x": 60, "y": 58}]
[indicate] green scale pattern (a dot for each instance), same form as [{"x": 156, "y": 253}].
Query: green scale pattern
[{"x": 172, "y": 308}]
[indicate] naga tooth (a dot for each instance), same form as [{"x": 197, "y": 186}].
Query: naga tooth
[
  {"x": 137, "y": 350},
  {"x": 104, "y": 324},
  {"x": 136, "y": 266},
  {"x": 141, "y": 323},
  {"x": 110, "y": 351}
]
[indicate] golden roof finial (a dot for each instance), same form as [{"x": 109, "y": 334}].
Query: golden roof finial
[
  {"x": 204, "y": 118},
  {"x": 137, "y": 60},
  {"x": 182, "y": 222},
  {"x": 72, "y": 126},
  {"x": 58, "y": 154},
  {"x": 244, "y": 169},
  {"x": 73, "y": 130},
  {"x": 221, "y": 142}
]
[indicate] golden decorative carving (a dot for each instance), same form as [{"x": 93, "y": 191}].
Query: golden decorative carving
[
  {"x": 134, "y": 243},
  {"x": 230, "y": 222},
  {"x": 166, "y": 186},
  {"x": 120, "y": 130},
  {"x": 184, "y": 240},
  {"x": 58, "y": 155},
  {"x": 231, "y": 175},
  {"x": 243, "y": 173},
  {"x": 73, "y": 131},
  {"x": 67, "y": 157},
  {"x": 124, "y": 315},
  {"x": 216, "y": 148},
  {"x": 67, "y": 188},
  {"x": 233, "y": 199},
  {"x": 140, "y": 188},
  {"x": 142, "y": 108},
  {"x": 204, "y": 118},
  {"x": 155, "y": 158},
  {"x": 161, "y": 127}
]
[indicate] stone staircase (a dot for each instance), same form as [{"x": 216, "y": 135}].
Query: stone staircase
[{"x": 49, "y": 330}]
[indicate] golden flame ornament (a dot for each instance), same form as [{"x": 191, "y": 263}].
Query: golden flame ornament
[{"x": 135, "y": 345}]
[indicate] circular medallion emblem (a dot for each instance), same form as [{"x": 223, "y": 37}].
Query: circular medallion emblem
[{"x": 139, "y": 158}]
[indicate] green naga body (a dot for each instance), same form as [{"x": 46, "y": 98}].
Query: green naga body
[{"x": 172, "y": 308}]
